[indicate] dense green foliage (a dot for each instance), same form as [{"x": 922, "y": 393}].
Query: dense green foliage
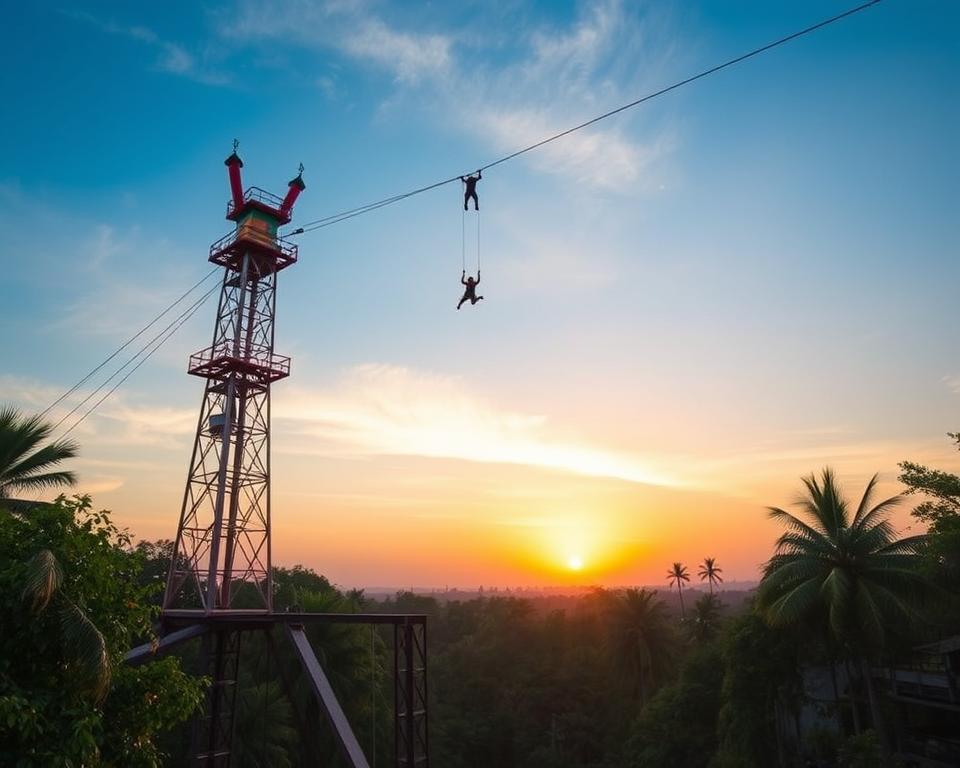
[
  {"x": 679, "y": 726},
  {"x": 761, "y": 680},
  {"x": 514, "y": 686},
  {"x": 73, "y": 604},
  {"x": 940, "y": 510}
]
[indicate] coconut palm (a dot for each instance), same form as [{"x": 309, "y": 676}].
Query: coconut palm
[
  {"x": 847, "y": 576},
  {"x": 676, "y": 576},
  {"x": 710, "y": 572},
  {"x": 24, "y": 464},
  {"x": 642, "y": 638}
]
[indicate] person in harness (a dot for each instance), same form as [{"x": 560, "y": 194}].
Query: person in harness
[
  {"x": 471, "y": 190},
  {"x": 471, "y": 290}
]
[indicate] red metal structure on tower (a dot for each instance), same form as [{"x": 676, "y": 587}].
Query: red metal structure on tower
[{"x": 219, "y": 585}]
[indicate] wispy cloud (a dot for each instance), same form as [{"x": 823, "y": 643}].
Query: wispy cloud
[
  {"x": 383, "y": 409},
  {"x": 171, "y": 57},
  {"x": 566, "y": 77},
  {"x": 409, "y": 56},
  {"x": 559, "y": 77}
]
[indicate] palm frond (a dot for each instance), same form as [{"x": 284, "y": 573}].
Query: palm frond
[
  {"x": 910, "y": 545},
  {"x": 833, "y": 505},
  {"x": 793, "y": 522},
  {"x": 42, "y": 580},
  {"x": 882, "y": 509},
  {"x": 836, "y": 590},
  {"x": 37, "y": 461},
  {"x": 791, "y": 606},
  {"x": 870, "y": 540},
  {"x": 88, "y": 649},
  {"x": 19, "y": 434},
  {"x": 864, "y": 505},
  {"x": 793, "y": 543},
  {"x": 785, "y": 569},
  {"x": 41, "y": 481}
]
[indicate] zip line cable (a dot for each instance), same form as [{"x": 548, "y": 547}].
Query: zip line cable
[
  {"x": 336, "y": 218},
  {"x": 126, "y": 344},
  {"x": 181, "y": 318},
  {"x": 184, "y": 317}
]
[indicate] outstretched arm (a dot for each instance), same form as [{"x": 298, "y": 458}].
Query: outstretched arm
[
  {"x": 478, "y": 278},
  {"x": 479, "y": 175},
  {"x": 463, "y": 277}
]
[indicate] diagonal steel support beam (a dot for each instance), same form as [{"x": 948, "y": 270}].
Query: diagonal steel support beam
[
  {"x": 349, "y": 746},
  {"x": 148, "y": 651}
]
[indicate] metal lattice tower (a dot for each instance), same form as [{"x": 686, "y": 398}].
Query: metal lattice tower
[
  {"x": 219, "y": 586},
  {"x": 222, "y": 552}
]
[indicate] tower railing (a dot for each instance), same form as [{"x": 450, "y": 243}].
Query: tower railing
[
  {"x": 220, "y": 359},
  {"x": 225, "y": 250},
  {"x": 257, "y": 195}
]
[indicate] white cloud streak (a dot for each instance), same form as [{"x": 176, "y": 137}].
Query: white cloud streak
[
  {"x": 410, "y": 57},
  {"x": 383, "y": 409},
  {"x": 347, "y": 27}
]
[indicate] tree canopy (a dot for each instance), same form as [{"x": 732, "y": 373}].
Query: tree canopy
[{"x": 73, "y": 604}]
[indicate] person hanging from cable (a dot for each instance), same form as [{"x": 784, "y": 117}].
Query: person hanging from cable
[
  {"x": 470, "y": 191},
  {"x": 471, "y": 290}
]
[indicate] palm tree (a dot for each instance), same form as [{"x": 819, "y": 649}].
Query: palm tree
[
  {"x": 83, "y": 644},
  {"x": 710, "y": 572},
  {"x": 642, "y": 638},
  {"x": 847, "y": 576},
  {"x": 676, "y": 576},
  {"x": 24, "y": 466}
]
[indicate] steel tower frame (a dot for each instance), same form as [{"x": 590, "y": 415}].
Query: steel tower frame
[{"x": 220, "y": 580}]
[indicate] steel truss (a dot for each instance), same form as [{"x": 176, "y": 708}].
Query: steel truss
[
  {"x": 219, "y": 585},
  {"x": 223, "y": 540}
]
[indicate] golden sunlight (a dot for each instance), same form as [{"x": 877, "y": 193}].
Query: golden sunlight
[{"x": 575, "y": 562}]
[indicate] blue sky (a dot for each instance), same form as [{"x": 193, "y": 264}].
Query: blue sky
[{"x": 716, "y": 292}]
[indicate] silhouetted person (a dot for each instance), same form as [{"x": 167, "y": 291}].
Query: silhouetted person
[
  {"x": 471, "y": 290},
  {"x": 471, "y": 190}
]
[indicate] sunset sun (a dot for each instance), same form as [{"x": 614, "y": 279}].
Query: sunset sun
[{"x": 575, "y": 562}]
